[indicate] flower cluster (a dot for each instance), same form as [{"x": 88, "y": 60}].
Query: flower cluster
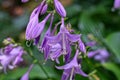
[
  {"x": 10, "y": 55},
  {"x": 56, "y": 44},
  {"x": 100, "y": 55}
]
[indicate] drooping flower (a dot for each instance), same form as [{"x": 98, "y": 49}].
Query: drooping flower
[
  {"x": 33, "y": 31},
  {"x": 44, "y": 45},
  {"x": 64, "y": 38},
  {"x": 59, "y": 8},
  {"x": 34, "y": 27},
  {"x": 117, "y": 4},
  {"x": 72, "y": 68},
  {"x": 11, "y": 56},
  {"x": 99, "y": 55},
  {"x": 26, "y": 75}
]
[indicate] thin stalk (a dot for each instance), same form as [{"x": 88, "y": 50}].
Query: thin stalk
[{"x": 36, "y": 61}]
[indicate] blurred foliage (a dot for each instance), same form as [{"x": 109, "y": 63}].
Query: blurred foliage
[{"x": 90, "y": 17}]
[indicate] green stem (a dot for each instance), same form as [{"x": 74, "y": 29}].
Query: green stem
[{"x": 36, "y": 61}]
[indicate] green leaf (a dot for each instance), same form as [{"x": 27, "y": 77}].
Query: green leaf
[
  {"x": 88, "y": 26},
  {"x": 112, "y": 67},
  {"x": 36, "y": 72},
  {"x": 113, "y": 41}
]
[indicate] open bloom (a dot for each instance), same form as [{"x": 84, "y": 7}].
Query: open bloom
[
  {"x": 64, "y": 38},
  {"x": 44, "y": 45},
  {"x": 117, "y": 4},
  {"x": 11, "y": 56},
  {"x": 72, "y": 68},
  {"x": 99, "y": 55}
]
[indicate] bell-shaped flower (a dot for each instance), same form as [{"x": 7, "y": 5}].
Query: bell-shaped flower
[
  {"x": 34, "y": 22},
  {"x": 99, "y": 55},
  {"x": 35, "y": 29},
  {"x": 59, "y": 8},
  {"x": 72, "y": 68},
  {"x": 45, "y": 47},
  {"x": 11, "y": 58},
  {"x": 26, "y": 75},
  {"x": 64, "y": 38}
]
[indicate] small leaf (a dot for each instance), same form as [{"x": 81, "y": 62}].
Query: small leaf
[
  {"x": 114, "y": 68},
  {"x": 113, "y": 41}
]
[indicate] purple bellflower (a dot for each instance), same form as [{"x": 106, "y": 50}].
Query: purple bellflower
[
  {"x": 11, "y": 56},
  {"x": 117, "y": 4},
  {"x": 26, "y": 75},
  {"x": 34, "y": 31},
  {"x": 44, "y": 45},
  {"x": 59, "y": 8},
  {"x": 34, "y": 27},
  {"x": 72, "y": 68},
  {"x": 99, "y": 55},
  {"x": 64, "y": 38}
]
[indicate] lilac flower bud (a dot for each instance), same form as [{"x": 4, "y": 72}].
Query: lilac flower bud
[
  {"x": 44, "y": 9},
  {"x": 82, "y": 46},
  {"x": 59, "y": 8},
  {"x": 117, "y": 4},
  {"x": 24, "y": 1},
  {"x": 26, "y": 75}
]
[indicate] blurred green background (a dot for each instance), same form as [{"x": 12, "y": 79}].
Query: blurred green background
[{"x": 89, "y": 17}]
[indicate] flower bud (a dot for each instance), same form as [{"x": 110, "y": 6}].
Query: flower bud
[{"x": 59, "y": 8}]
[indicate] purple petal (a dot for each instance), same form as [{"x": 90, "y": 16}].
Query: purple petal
[
  {"x": 92, "y": 53},
  {"x": 8, "y": 49},
  {"x": 79, "y": 71},
  {"x": 54, "y": 39},
  {"x": 117, "y": 4},
  {"x": 67, "y": 57},
  {"x": 73, "y": 37},
  {"x": 44, "y": 9},
  {"x": 36, "y": 40},
  {"x": 82, "y": 46},
  {"x": 92, "y": 43},
  {"x": 37, "y": 30},
  {"x": 46, "y": 52},
  {"x": 26, "y": 75},
  {"x": 66, "y": 74},
  {"x": 71, "y": 64},
  {"x": 31, "y": 25}
]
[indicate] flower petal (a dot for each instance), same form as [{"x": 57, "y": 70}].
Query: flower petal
[
  {"x": 66, "y": 74},
  {"x": 79, "y": 71}
]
